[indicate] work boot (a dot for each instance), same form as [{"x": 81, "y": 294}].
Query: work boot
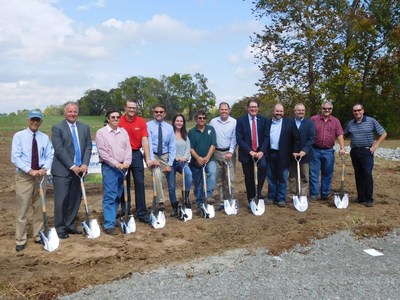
[
  {"x": 210, "y": 200},
  {"x": 174, "y": 209},
  {"x": 187, "y": 202}
]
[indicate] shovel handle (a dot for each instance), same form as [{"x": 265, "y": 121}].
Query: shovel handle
[{"x": 204, "y": 181}]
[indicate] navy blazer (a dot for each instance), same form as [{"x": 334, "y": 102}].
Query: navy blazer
[
  {"x": 289, "y": 141},
  {"x": 64, "y": 151},
  {"x": 243, "y": 136},
  {"x": 307, "y": 136}
]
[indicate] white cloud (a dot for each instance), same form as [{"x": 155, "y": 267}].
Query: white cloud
[{"x": 98, "y": 3}]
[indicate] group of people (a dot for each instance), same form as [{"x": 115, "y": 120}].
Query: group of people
[{"x": 271, "y": 146}]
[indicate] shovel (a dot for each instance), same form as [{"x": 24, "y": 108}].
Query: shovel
[
  {"x": 90, "y": 227},
  {"x": 48, "y": 238},
  {"x": 342, "y": 199},
  {"x": 127, "y": 222},
  {"x": 300, "y": 202},
  {"x": 206, "y": 209},
  {"x": 230, "y": 205},
  {"x": 185, "y": 209},
  {"x": 257, "y": 205},
  {"x": 157, "y": 218}
]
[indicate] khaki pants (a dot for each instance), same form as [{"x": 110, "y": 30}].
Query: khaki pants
[
  {"x": 160, "y": 178},
  {"x": 304, "y": 178},
  {"x": 222, "y": 174},
  {"x": 27, "y": 194}
]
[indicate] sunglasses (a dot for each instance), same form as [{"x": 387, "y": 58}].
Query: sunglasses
[
  {"x": 327, "y": 108},
  {"x": 357, "y": 110},
  {"x": 201, "y": 118},
  {"x": 160, "y": 112},
  {"x": 35, "y": 120},
  {"x": 114, "y": 117}
]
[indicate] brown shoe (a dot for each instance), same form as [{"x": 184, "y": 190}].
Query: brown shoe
[{"x": 110, "y": 231}]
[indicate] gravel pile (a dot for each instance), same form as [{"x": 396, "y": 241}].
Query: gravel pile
[
  {"x": 390, "y": 154},
  {"x": 331, "y": 268}
]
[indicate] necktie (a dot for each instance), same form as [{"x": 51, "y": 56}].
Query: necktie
[
  {"x": 253, "y": 134},
  {"x": 35, "y": 154},
  {"x": 78, "y": 159},
  {"x": 160, "y": 140}
]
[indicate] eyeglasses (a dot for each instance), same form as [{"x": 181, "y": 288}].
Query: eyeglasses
[
  {"x": 201, "y": 118},
  {"x": 357, "y": 110},
  {"x": 160, "y": 112},
  {"x": 114, "y": 117},
  {"x": 131, "y": 107},
  {"x": 35, "y": 120},
  {"x": 327, "y": 108}
]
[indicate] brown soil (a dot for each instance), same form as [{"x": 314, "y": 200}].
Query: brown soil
[{"x": 81, "y": 262}]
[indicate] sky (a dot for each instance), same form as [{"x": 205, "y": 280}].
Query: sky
[{"x": 53, "y": 51}]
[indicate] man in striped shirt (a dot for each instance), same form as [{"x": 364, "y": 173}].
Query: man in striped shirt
[{"x": 361, "y": 131}]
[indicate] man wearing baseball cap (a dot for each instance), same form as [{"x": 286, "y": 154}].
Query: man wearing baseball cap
[{"x": 32, "y": 155}]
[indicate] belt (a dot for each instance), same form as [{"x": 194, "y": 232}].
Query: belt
[
  {"x": 222, "y": 149},
  {"x": 161, "y": 154},
  {"x": 135, "y": 150},
  {"x": 273, "y": 150},
  {"x": 322, "y": 148},
  {"x": 360, "y": 148}
]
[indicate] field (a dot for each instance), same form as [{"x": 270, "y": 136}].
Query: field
[{"x": 80, "y": 262}]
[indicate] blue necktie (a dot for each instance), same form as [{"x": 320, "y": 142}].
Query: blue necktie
[{"x": 78, "y": 160}]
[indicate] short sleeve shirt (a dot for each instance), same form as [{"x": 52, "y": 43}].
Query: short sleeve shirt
[
  {"x": 137, "y": 129},
  {"x": 202, "y": 141}
]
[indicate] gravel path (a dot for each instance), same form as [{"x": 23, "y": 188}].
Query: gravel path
[{"x": 331, "y": 268}]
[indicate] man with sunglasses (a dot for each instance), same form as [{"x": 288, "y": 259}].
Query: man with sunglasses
[
  {"x": 361, "y": 131},
  {"x": 115, "y": 155},
  {"x": 32, "y": 155},
  {"x": 203, "y": 142},
  {"x": 162, "y": 150},
  {"x": 327, "y": 130}
]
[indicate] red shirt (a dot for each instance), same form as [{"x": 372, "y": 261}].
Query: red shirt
[
  {"x": 137, "y": 129},
  {"x": 326, "y": 132}
]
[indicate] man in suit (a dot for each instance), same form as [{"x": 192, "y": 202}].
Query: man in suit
[
  {"x": 307, "y": 134},
  {"x": 283, "y": 142},
  {"x": 252, "y": 140},
  {"x": 72, "y": 149}
]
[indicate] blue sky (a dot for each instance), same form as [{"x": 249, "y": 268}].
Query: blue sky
[{"x": 52, "y": 51}]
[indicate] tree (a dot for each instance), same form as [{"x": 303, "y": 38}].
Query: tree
[
  {"x": 94, "y": 103},
  {"x": 54, "y": 110}
]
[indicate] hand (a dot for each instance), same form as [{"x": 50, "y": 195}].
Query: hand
[
  {"x": 84, "y": 169},
  {"x": 76, "y": 170},
  {"x": 228, "y": 156},
  {"x": 126, "y": 165},
  {"x": 201, "y": 161},
  {"x": 342, "y": 151},
  {"x": 372, "y": 149},
  {"x": 167, "y": 169}
]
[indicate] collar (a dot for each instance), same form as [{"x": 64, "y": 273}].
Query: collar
[
  {"x": 110, "y": 129},
  {"x": 364, "y": 119}
]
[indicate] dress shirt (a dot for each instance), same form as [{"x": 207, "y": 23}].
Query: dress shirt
[
  {"x": 251, "y": 126},
  {"x": 169, "y": 140},
  {"x": 226, "y": 133},
  {"x": 326, "y": 132},
  {"x": 21, "y": 150},
  {"x": 113, "y": 146},
  {"x": 275, "y": 133},
  {"x": 298, "y": 122}
]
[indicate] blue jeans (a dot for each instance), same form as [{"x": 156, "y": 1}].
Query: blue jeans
[
  {"x": 211, "y": 170},
  {"x": 177, "y": 167},
  {"x": 277, "y": 176},
  {"x": 363, "y": 163},
  {"x": 324, "y": 162},
  {"x": 112, "y": 189}
]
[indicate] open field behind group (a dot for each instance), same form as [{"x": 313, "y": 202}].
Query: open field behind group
[{"x": 80, "y": 262}]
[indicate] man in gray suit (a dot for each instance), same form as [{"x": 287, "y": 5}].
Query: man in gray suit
[{"x": 72, "y": 149}]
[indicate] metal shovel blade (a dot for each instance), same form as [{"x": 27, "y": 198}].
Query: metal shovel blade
[
  {"x": 207, "y": 211},
  {"x": 50, "y": 242},
  {"x": 300, "y": 203},
  {"x": 257, "y": 207},
  {"x": 185, "y": 213},
  {"x": 128, "y": 227},
  {"x": 341, "y": 202},
  {"x": 159, "y": 221},
  {"x": 230, "y": 207},
  {"x": 91, "y": 230}
]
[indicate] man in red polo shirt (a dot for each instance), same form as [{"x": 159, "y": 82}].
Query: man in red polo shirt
[{"x": 138, "y": 135}]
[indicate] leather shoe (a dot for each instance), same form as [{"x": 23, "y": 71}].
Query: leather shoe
[
  {"x": 144, "y": 219},
  {"x": 38, "y": 241},
  {"x": 63, "y": 235},
  {"x": 19, "y": 247},
  {"x": 73, "y": 231},
  {"x": 110, "y": 231}
]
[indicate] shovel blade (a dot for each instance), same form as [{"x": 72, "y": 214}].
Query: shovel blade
[
  {"x": 345, "y": 201},
  {"x": 185, "y": 214},
  {"x": 257, "y": 207},
  {"x": 91, "y": 230},
  {"x": 300, "y": 203},
  {"x": 231, "y": 207},
  {"x": 51, "y": 242},
  {"x": 159, "y": 221},
  {"x": 207, "y": 211},
  {"x": 341, "y": 202},
  {"x": 128, "y": 227}
]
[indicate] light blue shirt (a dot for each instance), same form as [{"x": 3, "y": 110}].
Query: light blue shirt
[
  {"x": 298, "y": 122},
  {"x": 169, "y": 140},
  {"x": 226, "y": 133},
  {"x": 21, "y": 150},
  {"x": 275, "y": 133}
]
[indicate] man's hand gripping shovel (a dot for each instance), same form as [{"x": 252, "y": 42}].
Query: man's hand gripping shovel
[
  {"x": 257, "y": 205},
  {"x": 157, "y": 217},
  {"x": 231, "y": 206},
  {"x": 342, "y": 199},
  {"x": 207, "y": 208},
  {"x": 185, "y": 209},
  {"x": 90, "y": 227},
  {"x": 127, "y": 221},
  {"x": 300, "y": 202},
  {"x": 48, "y": 238}
]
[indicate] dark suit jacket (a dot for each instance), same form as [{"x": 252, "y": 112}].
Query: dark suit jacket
[
  {"x": 288, "y": 141},
  {"x": 64, "y": 151},
  {"x": 307, "y": 136},
  {"x": 243, "y": 136}
]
